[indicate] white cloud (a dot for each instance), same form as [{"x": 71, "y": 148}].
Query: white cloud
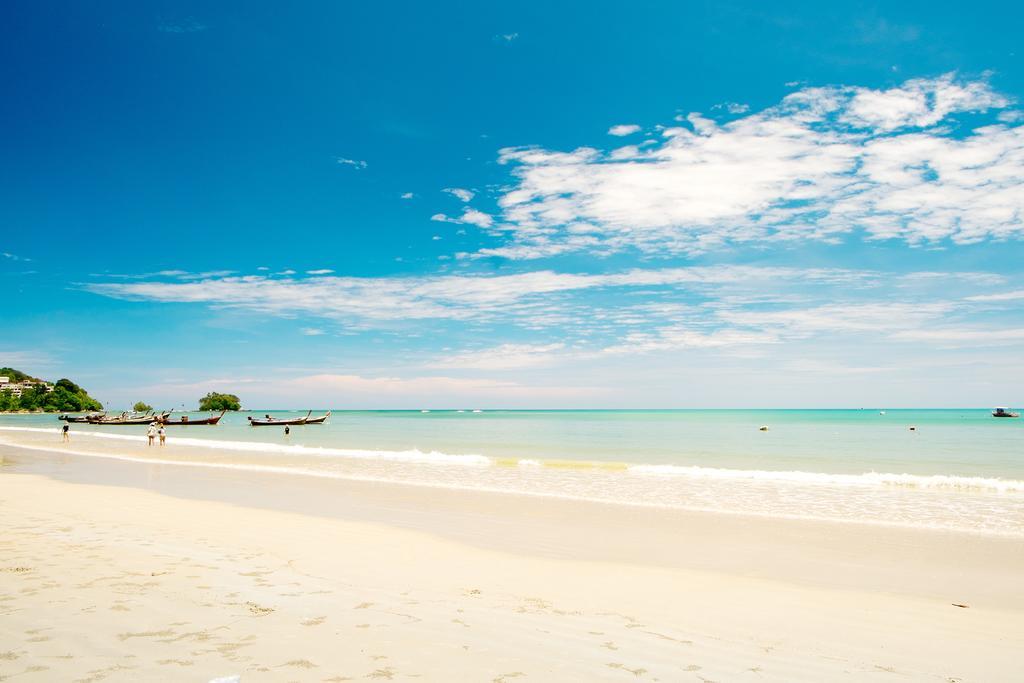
[
  {"x": 823, "y": 163},
  {"x": 679, "y": 337},
  {"x": 624, "y": 129},
  {"x": 734, "y": 292},
  {"x": 504, "y": 356},
  {"x": 731, "y": 107},
  {"x": 408, "y": 195},
  {"x": 469, "y": 216},
  {"x": 461, "y": 193},
  {"x": 13, "y": 257},
  {"x": 506, "y": 37},
  {"x": 312, "y": 331},
  {"x": 355, "y": 163},
  {"x": 1013, "y": 295},
  {"x": 342, "y": 390},
  {"x": 321, "y": 271},
  {"x": 188, "y": 25},
  {"x": 958, "y": 337}
]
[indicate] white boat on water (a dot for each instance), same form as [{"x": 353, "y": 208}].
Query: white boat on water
[{"x": 1003, "y": 411}]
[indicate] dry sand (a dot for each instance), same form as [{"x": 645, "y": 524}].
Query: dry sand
[{"x": 137, "y": 572}]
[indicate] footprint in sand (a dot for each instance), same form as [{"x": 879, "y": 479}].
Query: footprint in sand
[
  {"x": 387, "y": 673},
  {"x": 503, "y": 678},
  {"x": 313, "y": 621},
  {"x": 258, "y": 610},
  {"x": 300, "y": 664},
  {"x": 623, "y": 667}
]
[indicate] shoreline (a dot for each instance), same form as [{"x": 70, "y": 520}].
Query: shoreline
[
  {"x": 205, "y": 573},
  {"x": 559, "y": 527},
  {"x": 870, "y": 499}
]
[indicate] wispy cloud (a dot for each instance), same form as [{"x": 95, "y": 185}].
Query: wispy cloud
[
  {"x": 312, "y": 331},
  {"x": 460, "y": 193},
  {"x": 730, "y": 107},
  {"x": 408, "y": 195},
  {"x": 13, "y": 257},
  {"x": 503, "y": 357},
  {"x": 822, "y": 164},
  {"x": 321, "y": 271},
  {"x": 469, "y": 216},
  {"x": 506, "y": 37},
  {"x": 187, "y": 25},
  {"x": 339, "y": 389},
  {"x": 357, "y": 164}
]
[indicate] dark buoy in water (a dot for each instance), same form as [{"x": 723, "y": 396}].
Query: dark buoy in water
[
  {"x": 913, "y": 428},
  {"x": 763, "y": 428}
]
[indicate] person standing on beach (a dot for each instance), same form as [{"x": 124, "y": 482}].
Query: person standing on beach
[
  {"x": 151, "y": 432},
  {"x": 163, "y": 435},
  {"x": 287, "y": 430},
  {"x": 66, "y": 431}
]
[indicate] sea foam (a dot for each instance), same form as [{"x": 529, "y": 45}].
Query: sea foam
[{"x": 866, "y": 479}]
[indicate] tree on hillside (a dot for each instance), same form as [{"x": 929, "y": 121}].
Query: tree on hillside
[
  {"x": 8, "y": 402},
  {"x": 65, "y": 395},
  {"x": 69, "y": 385},
  {"x": 16, "y": 375},
  {"x": 215, "y": 401},
  {"x": 141, "y": 407}
]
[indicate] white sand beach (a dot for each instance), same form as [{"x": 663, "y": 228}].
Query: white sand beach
[{"x": 125, "y": 571}]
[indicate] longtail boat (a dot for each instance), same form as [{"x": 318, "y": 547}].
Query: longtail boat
[
  {"x": 268, "y": 421},
  {"x": 81, "y": 418},
  {"x": 126, "y": 419},
  {"x": 184, "y": 420}
]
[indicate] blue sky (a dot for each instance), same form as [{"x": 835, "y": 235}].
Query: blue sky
[{"x": 515, "y": 204}]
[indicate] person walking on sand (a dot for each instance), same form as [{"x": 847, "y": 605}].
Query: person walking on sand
[
  {"x": 66, "y": 431},
  {"x": 163, "y": 435},
  {"x": 151, "y": 432}
]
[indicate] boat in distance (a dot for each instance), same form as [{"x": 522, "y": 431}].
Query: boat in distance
[
  {"x": 185, "y": 421},
  {"x": 268, "y": 421},
  {"x": 1004, "y": 412}
]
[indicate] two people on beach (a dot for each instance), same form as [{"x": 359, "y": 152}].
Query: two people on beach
[{"x": 154, "y": 431}]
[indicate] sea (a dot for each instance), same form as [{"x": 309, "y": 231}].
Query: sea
[{"x": 952, "y": 469}]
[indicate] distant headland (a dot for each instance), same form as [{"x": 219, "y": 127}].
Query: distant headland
[{"x": 21, "y": 392}]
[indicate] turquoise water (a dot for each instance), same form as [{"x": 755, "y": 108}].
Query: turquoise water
[
  {"x": 959, "y": 470},
  {"x": 962, "y": 442}
]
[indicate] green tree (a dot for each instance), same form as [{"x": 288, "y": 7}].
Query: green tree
[
  {"x": 69, "y": 385},
  {"x": 15, "y": 375},
  {"x": 60, "y": 399},
  {"x": 8, "y": 402},
  {"x": 141, "y": 407},
  {"x": 32, "y": 399},
  {"x": 64, "y": 395},
  {"x": 215, "y": 401}
]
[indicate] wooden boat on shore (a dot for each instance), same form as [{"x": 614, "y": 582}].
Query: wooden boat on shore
[
  {"x": 127, "y": 419},
  {"x": 268, "y": 421},
  {"x": 185, "y": 421},
  {"x": 80, "y": 418}
]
